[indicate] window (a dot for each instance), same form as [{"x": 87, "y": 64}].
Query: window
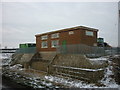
[
  {"x": 44, "y": 37},
  {"x": 89, "y": 33},
  {"x": 71, "y": 32},
  {"x": 56, "y": 35},
  {"x": 44, "y": 44},
  {"x": 54, "y": 43}
]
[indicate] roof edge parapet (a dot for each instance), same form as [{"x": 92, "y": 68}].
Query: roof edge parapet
[{"x": 72, "y": 28}]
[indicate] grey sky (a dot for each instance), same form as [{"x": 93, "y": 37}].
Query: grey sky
[{"x": 22, "y": 21}]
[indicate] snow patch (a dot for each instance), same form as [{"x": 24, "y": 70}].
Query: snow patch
[
  {"x": 70, "y": 83},
  {"x": 108, "y": 81},
  {"x": 86, "y": 69},
  {"x": 100, "y": 58},
  {"x": 6, "y": 59},
  {"x": 17, "y": 66}
]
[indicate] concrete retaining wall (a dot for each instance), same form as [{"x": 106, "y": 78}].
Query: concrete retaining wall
[
  {"x": 21, "y": 58},
  {"x": 47, "y": 55},
  {"x": 75, "y": 60},
  {"x": 76, "y": 66},
  {"x": 40, "y": 65},
  {"x": 44, "y": 59},
  {"x": 38, "y": 61},
  {"x": 70, "y": 65}
]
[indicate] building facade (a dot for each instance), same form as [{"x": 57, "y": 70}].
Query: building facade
[{"x": 75, "y": 35}]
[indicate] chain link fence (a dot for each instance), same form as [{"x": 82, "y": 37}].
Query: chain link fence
[
  {"x": 26, "y": 50},
  {"x": 90, "y": 51}
]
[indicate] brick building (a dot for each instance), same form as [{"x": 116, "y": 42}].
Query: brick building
[{"x": 69, "y": 36}]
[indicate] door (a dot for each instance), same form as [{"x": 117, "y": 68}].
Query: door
[{"x": 64, "y": 47}]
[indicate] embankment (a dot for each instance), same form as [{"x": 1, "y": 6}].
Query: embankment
[{"x": 68, "y": 65}]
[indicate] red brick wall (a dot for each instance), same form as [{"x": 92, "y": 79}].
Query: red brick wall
[
  {"x": 79, "y": 37},
  {"x": 88, "y": 40},
  {"x": 39, "y": 41},
  {"x": 70, "y": 39}
]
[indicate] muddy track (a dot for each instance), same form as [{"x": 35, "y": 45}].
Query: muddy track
[
  {"x": 9, "y": 84},
  {"x": 30, "y": 82}
]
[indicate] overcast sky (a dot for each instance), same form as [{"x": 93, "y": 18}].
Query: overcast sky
[{"x": 22, "y": 21}]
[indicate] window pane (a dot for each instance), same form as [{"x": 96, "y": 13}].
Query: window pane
[
  {"x": 55, "y": 43},
  {"x": 89, "y": 33},
  {"x": 56, "y": 35},
  {"x": 44, "y": 37},
  {"x": 44, "y": 44},
  {"x": 71, "y": 32}
]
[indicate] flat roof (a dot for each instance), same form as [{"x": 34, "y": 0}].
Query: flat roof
[{"x": 68, "y": 29}]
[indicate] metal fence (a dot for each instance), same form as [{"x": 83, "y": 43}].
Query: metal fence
[
  {"x": 8, "y": 50},
  {"x": 26, "y": 50},
  {"x": 88, "y": 50}
]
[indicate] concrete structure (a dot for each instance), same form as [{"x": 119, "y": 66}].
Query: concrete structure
[{"x": 75, "y": 35}]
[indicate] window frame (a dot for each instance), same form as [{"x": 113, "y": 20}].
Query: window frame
[
  {"x": 42, "y": 44},
  {"x": 89, "y": 33},
  {"x": 55, "y": 35},
  {"x": 71, "y": 32},
  {"x": 44, "y": 37},
  {"x": 52, "y": 46}
]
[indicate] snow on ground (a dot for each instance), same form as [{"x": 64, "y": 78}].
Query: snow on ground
[
  {"x": 85, "y": 69},
  {"x": 108, "y": 80},
  {"x": 17, "y": 66},
  {"x": 5, "y": 58},
  {"x": 116, "y": 56},
  {"x": 6, "y": 55},
  {"x": 70, "y": 82},
  {"x": 99, "y": 60}
]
